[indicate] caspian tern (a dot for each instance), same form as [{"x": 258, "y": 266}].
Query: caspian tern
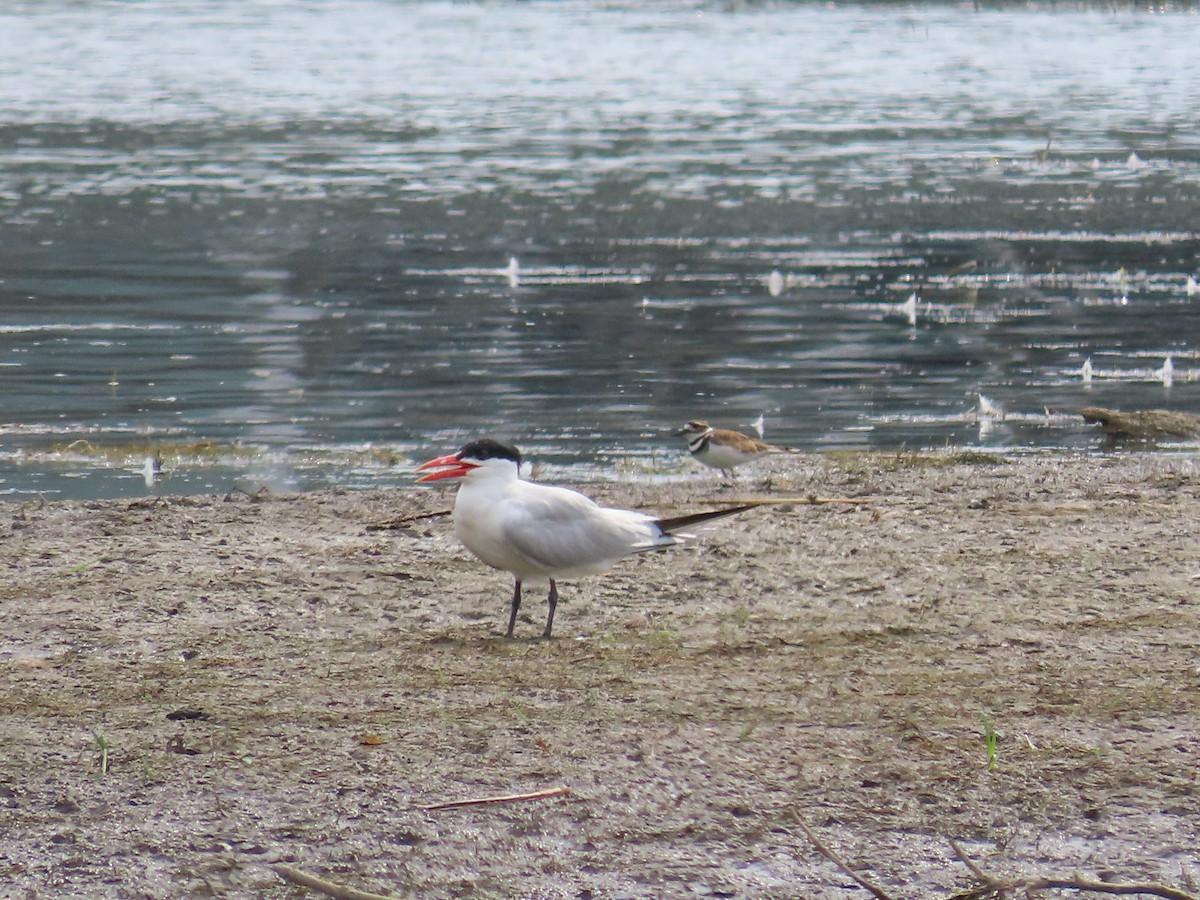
[
  {"x": 543, "y": 533},
  {"x": 720, "y": 448}
]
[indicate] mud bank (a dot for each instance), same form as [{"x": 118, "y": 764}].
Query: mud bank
[{"x": 198, "y": 688}]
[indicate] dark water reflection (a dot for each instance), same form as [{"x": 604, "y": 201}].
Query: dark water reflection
[{"x": 289, "y": 228}]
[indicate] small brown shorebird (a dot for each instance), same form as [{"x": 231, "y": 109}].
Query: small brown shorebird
[{"x": 723, "y": 449}]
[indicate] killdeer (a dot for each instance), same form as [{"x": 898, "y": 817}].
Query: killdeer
[
  {"x": 723, "y": 449},
  {"x": 542, "y": 533}
]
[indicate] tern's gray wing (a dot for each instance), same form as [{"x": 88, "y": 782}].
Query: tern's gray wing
[{"x": 561, "y": 533}]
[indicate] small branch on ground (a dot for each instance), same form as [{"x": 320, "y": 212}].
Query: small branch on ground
[
  {"x": 991, "y": 886},
  {"x": 402, "y": 522},
  {"x": 794, "y": 501},
  {"x": 837, "y": 861},
  {"x": 504, "y": 798},
  {"x": 328, "y": 888},
  {"x": 970, "y": 863},
  {"x": 405, "y": 521}
]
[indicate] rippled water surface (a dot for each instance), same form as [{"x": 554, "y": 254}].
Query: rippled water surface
[{"x": 307, "y": 243}]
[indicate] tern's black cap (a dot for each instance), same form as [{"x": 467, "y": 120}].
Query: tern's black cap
[{"x": 486, "y": 448}]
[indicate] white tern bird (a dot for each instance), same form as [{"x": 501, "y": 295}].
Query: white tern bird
[{"x": 543, "y": 533}]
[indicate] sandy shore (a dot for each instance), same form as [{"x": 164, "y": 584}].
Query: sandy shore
[{"x": 197, "y": 689}]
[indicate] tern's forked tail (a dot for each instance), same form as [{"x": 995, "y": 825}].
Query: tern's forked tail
[{"x": 672, "y": 525}]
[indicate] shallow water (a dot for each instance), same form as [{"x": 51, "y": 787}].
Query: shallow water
[{"x": 287, "y": 230}]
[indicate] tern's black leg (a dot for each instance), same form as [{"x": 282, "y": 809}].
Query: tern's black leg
[
  {"x": 516, "y": 604},
  {"x": 553, "y": 601}
]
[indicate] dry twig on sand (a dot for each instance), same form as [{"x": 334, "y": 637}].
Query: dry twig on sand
[
  {"x": 837, "y": 861},
  {"x": 991, "y": 886},
  {"x": 328, "y": 888},
  {"x": 503, "y": 798},
  {"x": 794, "y": 501},
  {"x": 401, "y": 522},
  {"x": 405, "y": 521}
]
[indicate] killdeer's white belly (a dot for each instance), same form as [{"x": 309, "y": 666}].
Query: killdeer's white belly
[{"x": 721, "y": 456}]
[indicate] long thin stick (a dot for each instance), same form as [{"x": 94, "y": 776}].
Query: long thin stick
[
  {"x": 1079, "y": 883},
  {"x": 504, "y": 798},
  {"x": 994, "y": 886},
  {"x": 794, "y": 501},
  {"x": 404, "y": 520},
  {"x": 970, "y": 863},
  {"x": 328, "y": 888},
  {"x": 837, "y": 861}
]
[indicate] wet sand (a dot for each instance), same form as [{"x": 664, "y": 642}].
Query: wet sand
[{"x": 197, "y": 689}]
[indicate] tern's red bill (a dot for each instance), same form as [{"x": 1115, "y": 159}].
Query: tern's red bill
[{"x": 450, "y": 465}]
